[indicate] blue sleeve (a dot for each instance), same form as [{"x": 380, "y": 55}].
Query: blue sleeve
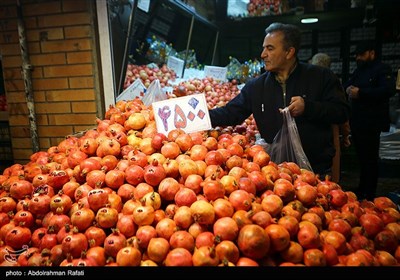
[{"x": 385, "y": 85}]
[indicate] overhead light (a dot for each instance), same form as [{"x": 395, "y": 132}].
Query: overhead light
[{"x": 309, "y": 20}]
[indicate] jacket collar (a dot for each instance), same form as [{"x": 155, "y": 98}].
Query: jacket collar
[{"x": 294, "y": 66}]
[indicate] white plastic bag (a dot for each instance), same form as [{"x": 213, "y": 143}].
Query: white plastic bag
[{"x": 286, "y": 146}]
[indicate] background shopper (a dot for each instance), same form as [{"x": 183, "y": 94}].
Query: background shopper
[{"x": 369, "y": 89}]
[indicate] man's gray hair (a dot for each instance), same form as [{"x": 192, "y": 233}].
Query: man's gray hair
[
  {"x": 291, "y": 34},
  {"x": 321, "y": 59}
]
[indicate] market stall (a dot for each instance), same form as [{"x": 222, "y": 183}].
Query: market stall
[{"x": 137, "y": 189}]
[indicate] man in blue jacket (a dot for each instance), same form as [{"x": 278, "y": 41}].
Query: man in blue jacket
[
  {"x": 313, "y": 95},
  {"x": 369, "y": 89}
]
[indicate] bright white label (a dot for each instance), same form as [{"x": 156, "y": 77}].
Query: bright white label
[
  {"x": 176, "y": 64},
  {"x": 192, "y": 73},
  {"x": 218, "y": 73},
  {"x": 136, "y": 90}
]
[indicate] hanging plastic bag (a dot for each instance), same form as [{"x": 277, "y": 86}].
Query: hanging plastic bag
[
  {"x": 286, "y": 146},
  {"x": 154, "y": 93}
]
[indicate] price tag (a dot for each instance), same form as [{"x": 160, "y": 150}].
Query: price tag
[
  {"x": 189, "y": 113},
  {"x": 192, "y": 73},
  {"x": 136, "y": 90},
  {"x": 176, "y": 64},
  {"x": 218, "y": 73},
  {"x": 144, "y": 5}
]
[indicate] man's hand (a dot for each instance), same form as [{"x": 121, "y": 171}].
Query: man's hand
[
  {"x": 353, "y": 92},
  {"x": 296, "y": 106}
]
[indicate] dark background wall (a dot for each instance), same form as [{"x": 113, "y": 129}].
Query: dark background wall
[{"x": 200, "y": 24}]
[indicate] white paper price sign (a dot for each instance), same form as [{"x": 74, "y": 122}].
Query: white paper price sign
[
  {"x": 136, "y": 90},
  {"x": 176, "y": 64},
  {"x": 189, "y": 113},
  {"x": 218, "y": 73}
]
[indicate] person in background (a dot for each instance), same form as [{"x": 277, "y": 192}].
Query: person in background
[
  {"x": 313, "y": 95},
  {"x": 324, "y": 60},
  {"x": 369, "y": 89},
  {"x": 343, "y": 130},
  {"x": 321, "y": 59}
]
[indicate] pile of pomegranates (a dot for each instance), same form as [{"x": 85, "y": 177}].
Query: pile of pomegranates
[
  {"x": 148, "y": 74},
  {"x": 217, "y": 92},
  {"x": 124, "y": 194}
]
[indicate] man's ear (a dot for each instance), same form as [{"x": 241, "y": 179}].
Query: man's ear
[
  {"x": 372, "y": 54},
  {"x": 290, "y": 52}
]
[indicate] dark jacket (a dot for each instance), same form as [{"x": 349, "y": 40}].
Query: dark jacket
[
  {"x": 377, "y": 85},
  {"x": 325, "y": 104}
]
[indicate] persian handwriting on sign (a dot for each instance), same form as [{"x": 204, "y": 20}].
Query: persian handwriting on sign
[
  {"x": 164, "y": 114},
  {"x": 179, "y": 117},
  {"x": 189, "y": 113}
]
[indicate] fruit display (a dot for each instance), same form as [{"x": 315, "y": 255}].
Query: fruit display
[
  {"x": 147, "y": 74},
  {"x": 264, "y": 8},
  {"x": 159, "y": 51},
  {"x": 123, "y": 194},
  {"x": 243, "y": 71},
  {"x": 217, "y": 93}
]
